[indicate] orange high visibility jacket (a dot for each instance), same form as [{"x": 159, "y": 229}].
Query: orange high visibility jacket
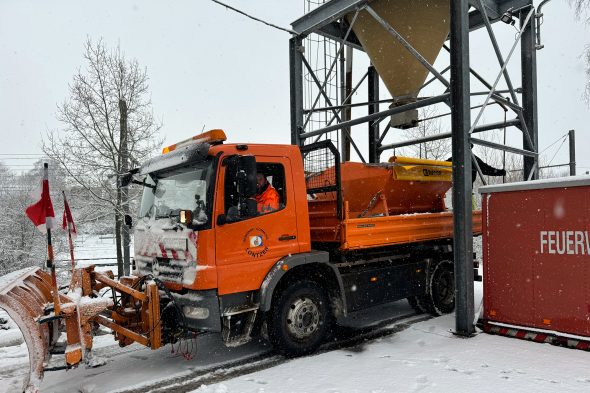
[{"x": 268, "y": 200}]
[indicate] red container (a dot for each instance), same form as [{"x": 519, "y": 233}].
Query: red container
[{"x": 536, "y": 255}]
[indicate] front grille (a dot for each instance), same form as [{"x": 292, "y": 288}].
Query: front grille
[{"x": 165, "y": 269}]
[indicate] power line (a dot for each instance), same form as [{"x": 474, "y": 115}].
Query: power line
[
  {"x": 21, "y": 165},
  {"x": 22, "y": 154},
  {"x": 22, "y": 158},
  {"x": 557, "y": 140},
  {"x": 254, "y": 18},
  {"x": 558, "y": 149}
]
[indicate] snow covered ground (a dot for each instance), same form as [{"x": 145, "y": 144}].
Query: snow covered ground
[
  {"x": 406, "y": 353},
  {"x": 423, "y": 356},
  {"x": 92, "y": 250},
  {"x": 426, "y": 357}
]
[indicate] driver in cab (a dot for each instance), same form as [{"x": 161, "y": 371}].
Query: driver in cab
[{"x": 267, "y": 198}]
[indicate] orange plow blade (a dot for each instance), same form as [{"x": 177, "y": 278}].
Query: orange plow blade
[
  {"x": 27, "y": 297},
  {"x": 24, "y": 295}
]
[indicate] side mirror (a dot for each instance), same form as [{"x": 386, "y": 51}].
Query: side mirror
[
  {"x": 128, "y": 220},
  {"x": 246, "y": 177},
  {"x": 185, "y": 217},
  {"x": 126, "y": 178}
]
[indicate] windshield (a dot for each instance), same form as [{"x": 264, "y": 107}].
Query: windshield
[{"x": 166, "y": 194}]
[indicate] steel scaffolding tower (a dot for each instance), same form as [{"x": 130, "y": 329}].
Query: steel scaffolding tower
[{"x": 335, "y": 20}]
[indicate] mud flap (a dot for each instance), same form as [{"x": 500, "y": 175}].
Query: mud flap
[{"x": 24, "y": 295}]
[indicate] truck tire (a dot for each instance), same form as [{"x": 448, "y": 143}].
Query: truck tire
[
  {"x": 300, "y": 319},
  {"x": 440, "y": 298}
]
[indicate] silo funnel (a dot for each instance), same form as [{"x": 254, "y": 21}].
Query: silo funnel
[{"x": 423, "y": 23}]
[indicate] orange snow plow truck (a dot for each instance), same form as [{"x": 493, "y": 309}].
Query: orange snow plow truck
[{"x": 338, "y": 238}]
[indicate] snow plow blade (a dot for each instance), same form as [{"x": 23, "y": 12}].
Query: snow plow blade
[
  {"x": 27, "y": 297},
  {"x": 24, "y": 295}
]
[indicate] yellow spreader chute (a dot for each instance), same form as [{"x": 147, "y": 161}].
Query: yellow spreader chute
[{"x": 417, "y": 169}]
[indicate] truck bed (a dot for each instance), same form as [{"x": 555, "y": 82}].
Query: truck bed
[
  {"x": 378, "y": 231},
  {"x": 399, "y": 202}
]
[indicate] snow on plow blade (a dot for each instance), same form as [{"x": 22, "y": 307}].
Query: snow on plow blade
[{"x": 24, "y": 295}]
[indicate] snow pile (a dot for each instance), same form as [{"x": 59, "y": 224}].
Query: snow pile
[
  {"x": 13, "y": 354},
  {"x": 10, "y": 334},
  {"x": 10, "y": 338}
]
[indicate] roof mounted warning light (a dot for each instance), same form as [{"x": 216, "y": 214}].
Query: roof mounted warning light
[{"x": 213, "y": 137}]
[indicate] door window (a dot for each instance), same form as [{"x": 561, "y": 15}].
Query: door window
[{"x": 270, "y": 194}]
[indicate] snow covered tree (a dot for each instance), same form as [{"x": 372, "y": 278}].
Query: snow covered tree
[
  {"x": 21, "y": 244},
  {"x": 108, "y": 126},
  {"x": 429, "y": 125},
  {"x": 582, "y": 9},
  {"x": 7, "y": 186}
]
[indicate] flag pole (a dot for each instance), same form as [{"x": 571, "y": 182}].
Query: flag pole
[
  {"x": 71, "y": 243},
  {"x": 50, "y": 259}
]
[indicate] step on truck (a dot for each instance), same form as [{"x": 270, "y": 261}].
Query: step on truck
[{"x": 341, "y": 238}]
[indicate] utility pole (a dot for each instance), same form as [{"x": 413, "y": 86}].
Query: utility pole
[
  {"x": 124, "y": 156},
  {"x": 572, "y": 138}
]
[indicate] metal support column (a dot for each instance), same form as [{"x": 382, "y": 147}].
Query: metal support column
[
  {"x": 461, "y": 123},
  {"x": 529, "y": 93},
  {"x": 296, "y": 85},
  {"x": 373, "y": 98},
  {"x": 572, "y": 138},
  {"x": 346, "y": 97}
]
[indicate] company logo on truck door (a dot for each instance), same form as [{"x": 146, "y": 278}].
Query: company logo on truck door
[
  {"x": 255, "y": 241},
  {"x": 565, "y": 242}
]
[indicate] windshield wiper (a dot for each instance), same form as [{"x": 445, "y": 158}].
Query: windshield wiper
[{"x": 143, "y": 183}]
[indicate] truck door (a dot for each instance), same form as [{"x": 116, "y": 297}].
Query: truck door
[{"x": 247, "y": 247}]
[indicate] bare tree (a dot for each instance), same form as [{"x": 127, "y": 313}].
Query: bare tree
[
  {"x": 582, "y": 10},
  {"x": 581, "y": 7},
  {"x": 429, "y": 125},
  {"x": 108, "y": 124}
]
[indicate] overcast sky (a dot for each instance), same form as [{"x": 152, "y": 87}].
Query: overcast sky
[{"x": 210, "y": 67}]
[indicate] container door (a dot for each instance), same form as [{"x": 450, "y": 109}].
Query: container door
[
  {"x": 561, "y": 261},
  {"x": 509, "y": 242}
]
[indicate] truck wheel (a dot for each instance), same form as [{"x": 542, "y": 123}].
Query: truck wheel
[
  {"x": 441, "y": 295},
  {"x": 300, "y": 319}
]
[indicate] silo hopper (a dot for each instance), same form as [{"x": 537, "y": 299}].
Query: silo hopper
[{"x": 424, "y": 24}]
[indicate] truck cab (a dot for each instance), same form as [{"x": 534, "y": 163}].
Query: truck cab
[{"x": 198, "y": 229}]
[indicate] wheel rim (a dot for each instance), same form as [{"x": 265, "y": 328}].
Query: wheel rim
[
  {"x": 444, "y": 288},
  {"x": 303, "y": 318}
]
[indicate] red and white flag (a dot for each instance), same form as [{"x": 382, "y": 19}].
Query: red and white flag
[
  {"x": 68, "y": 219},
  {"x": 41, "y": 213}
]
